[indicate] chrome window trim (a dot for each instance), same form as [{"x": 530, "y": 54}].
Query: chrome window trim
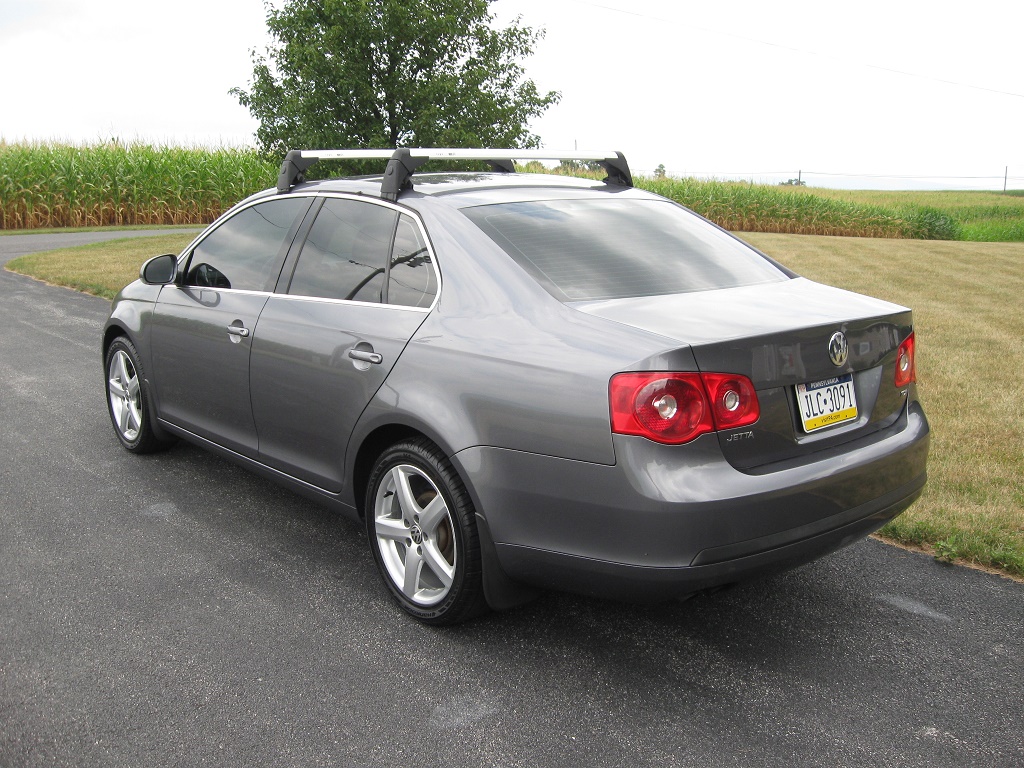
[
  {"x": 217, "y": 223},
  {"x": 323, "y": 300}
]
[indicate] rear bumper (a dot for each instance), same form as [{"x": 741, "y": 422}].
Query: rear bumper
[
  {"x": 637, "y": 583},
  {"x": 666, "y": 521}
]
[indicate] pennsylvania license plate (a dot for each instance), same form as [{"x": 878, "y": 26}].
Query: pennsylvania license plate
[{"x": 828, "y": 402}]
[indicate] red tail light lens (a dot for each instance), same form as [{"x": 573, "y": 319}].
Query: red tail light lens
[
  {"x": 675, "y": 408},
  {"x": 733, "y": 400},
  {"x": 906, "y": 370},
  {"x": 664, "y": 407}
]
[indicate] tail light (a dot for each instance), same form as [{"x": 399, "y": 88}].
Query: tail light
[
  {"x": 675, "y": 408},
  {"x": 906, "y": 370},
  {"x": 733, "y": 399}
]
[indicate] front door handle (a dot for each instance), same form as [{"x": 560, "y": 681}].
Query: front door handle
[
  {"x": 238, "y": 330},
  {"x": 366, "y": 357}
]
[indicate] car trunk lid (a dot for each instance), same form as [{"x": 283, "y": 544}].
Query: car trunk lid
[{"x": 779, "y": 336}]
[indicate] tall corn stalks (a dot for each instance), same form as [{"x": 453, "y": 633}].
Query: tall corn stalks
[{"x": 60, "y": 185}]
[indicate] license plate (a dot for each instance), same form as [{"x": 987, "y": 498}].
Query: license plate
[{"x": 828, "y": 402}]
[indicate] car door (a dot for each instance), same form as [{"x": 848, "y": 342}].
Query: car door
[
  {"x": 202, "y": 328},
  {"x": 361, "y": 286}
]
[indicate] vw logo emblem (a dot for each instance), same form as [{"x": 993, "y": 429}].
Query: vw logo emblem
[
  {"x": 416, "y": 534},
  {"x": 838, "y": 348}
]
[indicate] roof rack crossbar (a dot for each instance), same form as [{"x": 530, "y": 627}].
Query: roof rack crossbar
[{"x": 402, "y": 163}]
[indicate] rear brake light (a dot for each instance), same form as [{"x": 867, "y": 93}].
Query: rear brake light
[
  {"x": 675, "y": 408},
  {"x": 906, "y": 370},
  {"x": 733, "y": 400}
]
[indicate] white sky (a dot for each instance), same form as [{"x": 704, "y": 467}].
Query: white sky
[{"x": 750, "y": 89}]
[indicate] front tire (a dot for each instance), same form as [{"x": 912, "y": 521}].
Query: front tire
[
  {"x": 128, "y": 399},
  {"x": 422, "y": 531}
]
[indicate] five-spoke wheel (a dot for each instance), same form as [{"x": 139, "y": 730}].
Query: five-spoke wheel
[
  {"x": 125, "y": 396},
  {"x": 127, "y": 399},
  {"x": 421, "y": 527}
]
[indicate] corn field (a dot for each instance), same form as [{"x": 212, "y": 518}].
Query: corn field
[
  {"x": 57, "y": 185},
  {"x": 741, "y": 207}
]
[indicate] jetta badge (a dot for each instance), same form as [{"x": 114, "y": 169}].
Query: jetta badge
[{"x": 838, "y": 348}]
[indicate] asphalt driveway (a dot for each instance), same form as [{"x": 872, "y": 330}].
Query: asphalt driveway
[{"x": 174, "y": 610}]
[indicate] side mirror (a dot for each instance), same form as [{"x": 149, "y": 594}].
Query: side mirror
[{"x": 160, "y": 270}]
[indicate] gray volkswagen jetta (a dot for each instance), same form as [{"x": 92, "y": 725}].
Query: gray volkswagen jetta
[{"x": 524, "y": 381}]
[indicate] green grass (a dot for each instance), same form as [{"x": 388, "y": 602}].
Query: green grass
[
  {"x": 101, "y": 269},
  {"x": 970, "y": 336}
]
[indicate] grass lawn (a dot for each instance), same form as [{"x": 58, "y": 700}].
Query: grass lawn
[
  {"x": 101, "y": 269},
  {"x": 970, "y": 341},
  {"x": 970, "y": 353}
]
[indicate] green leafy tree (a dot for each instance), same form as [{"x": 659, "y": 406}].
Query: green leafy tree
[{"x": 392, "y": 73}]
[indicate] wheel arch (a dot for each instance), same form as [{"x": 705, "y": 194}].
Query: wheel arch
[
  {"x": 370, "y": 449},
  {"x": 116, "y": 328},
  {"x": 500, "y": 591},
  {"x": 111, "y": 332},
  {"x": 158, "y": 438}
]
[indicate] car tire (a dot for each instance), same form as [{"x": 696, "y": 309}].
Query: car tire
[
  {"x": 422, "y": 530},
  {"x": 128, "y": 399}
]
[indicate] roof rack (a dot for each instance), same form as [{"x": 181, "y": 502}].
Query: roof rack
[{"x": 402, "y": 163}]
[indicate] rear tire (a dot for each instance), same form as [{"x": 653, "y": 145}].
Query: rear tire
[
  {"x": 128, "y": 399},
  {"x": 422, "y": 530}
]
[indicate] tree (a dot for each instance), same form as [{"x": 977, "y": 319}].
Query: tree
[
  {"x": 392, "y": 73},
  {"x": 659, "y": 172},
  {"x": 573, "y": 167}
]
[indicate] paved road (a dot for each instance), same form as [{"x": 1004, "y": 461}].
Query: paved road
[{"x": 175, "y": 610}]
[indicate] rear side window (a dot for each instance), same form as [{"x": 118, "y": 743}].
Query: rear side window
[
  {"x": 411, "y": 279},
  {"x": 247, "y": 250},
  {"x": 583, "y": 250},
  {"x": 346, "y": 253}
]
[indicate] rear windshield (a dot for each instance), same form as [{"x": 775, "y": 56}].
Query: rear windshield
[{"x": 583, "y": 250}]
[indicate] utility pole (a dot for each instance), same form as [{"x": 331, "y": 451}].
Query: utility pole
[{"x": 1006, "y": 173}]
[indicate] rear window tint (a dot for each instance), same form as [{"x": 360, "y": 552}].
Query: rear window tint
[{"x": 583, "y": 250}]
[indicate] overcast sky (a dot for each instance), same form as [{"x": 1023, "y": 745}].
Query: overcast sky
[{"x": 750, "y": 89}]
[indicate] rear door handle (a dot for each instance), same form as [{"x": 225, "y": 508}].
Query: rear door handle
[
  {"x": 237, "y": 330},
  {"x": 366, "y": 357}
]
